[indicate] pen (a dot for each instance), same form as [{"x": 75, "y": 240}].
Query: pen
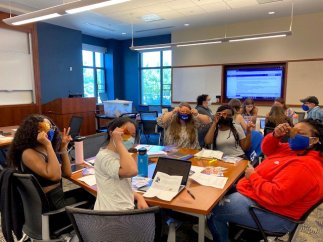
[{"x": 191, "y": 194}]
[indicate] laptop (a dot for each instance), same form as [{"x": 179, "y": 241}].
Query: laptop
[
  {"x": 172, "y": 167},
  {"x": 262, "y": 123}
]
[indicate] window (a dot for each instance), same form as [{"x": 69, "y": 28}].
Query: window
[
  {"x": 156, "y": 74},
  {"x": 93, "y": 73}
]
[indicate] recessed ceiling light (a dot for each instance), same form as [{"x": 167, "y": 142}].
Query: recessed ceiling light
[
  {"x": 123, "y": 33},
  {"x": 186, "y": 25},
  {"x": 271, "y": 12}
]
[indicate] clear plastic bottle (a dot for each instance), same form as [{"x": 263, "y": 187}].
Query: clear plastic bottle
[{"x": 142, "y": 162}]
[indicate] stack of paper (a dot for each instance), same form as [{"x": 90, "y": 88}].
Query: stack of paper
[
  {"x": 164, "y": 186},
  {"x": 211, "y": 154},
  {"x": 209, "y": 180},
  {"x": 89, "y": 180}
]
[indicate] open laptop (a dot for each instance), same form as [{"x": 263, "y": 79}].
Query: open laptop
[
  {"x": 262, "y": 123},
  {"x": 172, "y": 167}
]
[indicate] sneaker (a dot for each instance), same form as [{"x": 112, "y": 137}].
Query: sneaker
[{"x": 207, "y": 232}]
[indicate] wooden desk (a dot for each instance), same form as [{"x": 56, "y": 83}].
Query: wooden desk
[
  {"x": 7, "y": 129},
  {"x": 205, "y": 197}
]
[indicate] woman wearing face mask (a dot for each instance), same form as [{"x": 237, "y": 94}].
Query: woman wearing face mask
[
  {"x": 288, "y": 182},
  {"x": 203, "y": 107},
  {"x": 114, "y": 167},
  {"x": 38, "y": 148},
  {"x": 181, "y": 126},
  {"x": 227, "y": 136}
]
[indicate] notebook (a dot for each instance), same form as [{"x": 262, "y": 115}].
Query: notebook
[{"x": 173, "y": 167}]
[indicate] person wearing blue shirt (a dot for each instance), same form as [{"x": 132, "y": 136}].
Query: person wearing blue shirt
[{"x": 311, "y": 106}]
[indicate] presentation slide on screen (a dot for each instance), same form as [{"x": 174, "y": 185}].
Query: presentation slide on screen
[{"x": 254, "y": 83}]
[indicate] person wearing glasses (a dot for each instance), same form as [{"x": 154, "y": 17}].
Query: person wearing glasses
[
  {"x": 249, "y": 110},
  {"x": 288, "y": 182},
  {"x": 227, "y": 136},
  {"x": 115, "y": 166},
  {"x": 39, "y": 148},
  {"x": 181, "y": 126},
  {"x": 203, "y": 107}
]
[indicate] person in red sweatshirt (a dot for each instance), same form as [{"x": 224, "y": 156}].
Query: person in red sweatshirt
[{"x": 287, "y": 182}]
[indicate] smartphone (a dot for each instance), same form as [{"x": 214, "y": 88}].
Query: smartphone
[{"x": 75, "y": 167}]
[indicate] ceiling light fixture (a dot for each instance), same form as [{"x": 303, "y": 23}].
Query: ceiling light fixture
[
  {"x": 218, "y": 40},
  {"x": 59, "y": 10}
]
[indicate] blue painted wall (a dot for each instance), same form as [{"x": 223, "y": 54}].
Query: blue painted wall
[{"x": 59, "y": 49}]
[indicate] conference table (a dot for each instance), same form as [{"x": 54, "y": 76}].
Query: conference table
[
  {"x": 7, "y": 133},
  {"x": 205, "y": 197}
]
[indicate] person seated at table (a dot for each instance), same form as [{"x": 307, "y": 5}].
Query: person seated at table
[
  {"x": 288, "y": 182},
  {"x": 38, "y": 148},
  {"x": 235, "y": 104},
  {"x": 249, "y": 110},
  {"x": 203, "y": 107},
  {"x": 114, "y": 166},
  {"x": 289, "y": 112},
  {"x": 277, "y": 116},
  {"x": 227, "y": 136},
  {"x": 181, "y": 126}
]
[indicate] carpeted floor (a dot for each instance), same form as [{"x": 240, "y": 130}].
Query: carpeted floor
[{"x": 311, "y": 231}]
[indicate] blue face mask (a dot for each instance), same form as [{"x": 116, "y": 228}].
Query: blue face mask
[
  {"x": 129, "y": 143},
  {"x": 50, "y": 134},
  {"x": 184, "y": 117},
  {"x": 299, "y": 142},
  {"x": 305, "y": 107}
]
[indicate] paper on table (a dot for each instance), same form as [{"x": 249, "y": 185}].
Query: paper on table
[
  {"x": 156, "y": 153},
  {"x": 207, "y": 180},
  {"x": 197, "y": 169},
  {"x": 205, "y": 153},
  {"x": 164, "y": 186},
  {"x": 4, "y": 138},
  {"x": 148, "y": 147},
  {"x": 231, "y": 159},
  {"x": 90, "y": 161},
  {"x": 89, "y": 180}
]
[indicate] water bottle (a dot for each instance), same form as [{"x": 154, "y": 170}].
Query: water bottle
[{"x": 142, "y": 162}]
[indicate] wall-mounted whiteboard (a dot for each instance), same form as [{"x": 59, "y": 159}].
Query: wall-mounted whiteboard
[
  {"x": 16, "y": 68},
  {"x": 190, "y": 82}
]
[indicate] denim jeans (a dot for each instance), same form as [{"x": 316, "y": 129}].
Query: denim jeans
[{"x": 235, "y": 208}]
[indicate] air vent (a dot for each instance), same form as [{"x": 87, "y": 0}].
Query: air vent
[
  {"x": 268, "y": 1},
  {"x": 151, "y": 18},
  {"x": 147, "y": 30}
]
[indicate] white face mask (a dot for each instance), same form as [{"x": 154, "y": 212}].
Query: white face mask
[{"x": 129, "y": 143}]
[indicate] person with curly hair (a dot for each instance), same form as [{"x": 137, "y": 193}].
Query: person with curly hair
[
  {"x": 227, "y": 136},
  {"x": 181, "y": 126},
  {"x": 39, "y": 148},
  {"x": 288, "y": 182}
]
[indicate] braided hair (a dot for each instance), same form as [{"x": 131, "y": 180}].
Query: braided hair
[
  {"x": 232, "y": 128},
  {"x": 317, "y": 131}
]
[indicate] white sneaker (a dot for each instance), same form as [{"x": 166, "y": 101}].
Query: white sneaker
[{"x": 207, "y": 232}]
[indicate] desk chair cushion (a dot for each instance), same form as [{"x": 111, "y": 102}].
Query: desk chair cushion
[{"x": 125, "y": 226}]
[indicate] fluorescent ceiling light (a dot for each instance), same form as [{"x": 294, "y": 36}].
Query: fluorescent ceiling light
[
  {"x": 40, "y": 18},
  {"x": 199, "y": 43},
  {"x": 94, "y": 6},
  {"x": 260, "y": 36},
  {"x": 59, "y": 10},
  {"x": 150, "y": 47}
]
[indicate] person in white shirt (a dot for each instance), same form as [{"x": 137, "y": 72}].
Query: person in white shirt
[{"x": 114, "y": 167}]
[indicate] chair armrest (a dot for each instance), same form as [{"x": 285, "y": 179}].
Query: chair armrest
[
  {"x": 62, "y": 210},
  {"x": 254, "y": 207}
]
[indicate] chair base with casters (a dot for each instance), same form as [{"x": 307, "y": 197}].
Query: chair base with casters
[
  {"x": 41, "y": 224},
  {"x": 264, "y": 234},
  {"x": 125, "y": 226}
]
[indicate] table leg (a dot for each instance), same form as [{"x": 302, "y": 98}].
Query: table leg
[{"x": 201, "y": 228}]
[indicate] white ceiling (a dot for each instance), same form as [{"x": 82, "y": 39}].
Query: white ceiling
[{"x": 112, "y": 21}]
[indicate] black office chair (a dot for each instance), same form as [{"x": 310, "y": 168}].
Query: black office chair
[
  {"x": 40, "y": 222},
  {"x": 125, "y": 226},
  {"x": 75, "y": 125},
  {"x": 149, "y": 128},
  {"x": 300, "y": 115},
  {"x": 129, "y": 115},
  {"x": 264, "y": 233},
  {"x": 268, "y": 130}
]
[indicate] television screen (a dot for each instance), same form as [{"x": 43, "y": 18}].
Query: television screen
[{"x": 259, "y": 82}]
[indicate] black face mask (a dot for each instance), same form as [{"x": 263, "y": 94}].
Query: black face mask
[{"x": 226, "y": 121}]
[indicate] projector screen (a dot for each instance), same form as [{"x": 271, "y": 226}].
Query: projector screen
[{"x": 259, "y": 82}]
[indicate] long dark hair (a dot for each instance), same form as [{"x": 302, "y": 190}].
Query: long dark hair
[
  {"x": 26, "y": 138},
  {"x": 277, "y": 116},
  {"x": 232, "y": 128},
  {"x": 118, "y": 122},
  {"x": 317, "y": 131}
]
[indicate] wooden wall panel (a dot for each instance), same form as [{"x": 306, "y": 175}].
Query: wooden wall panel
[{"x": 13, "y": 115}]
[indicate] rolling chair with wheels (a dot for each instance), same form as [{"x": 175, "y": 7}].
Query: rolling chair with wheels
[{"x": 126, "y": 226}]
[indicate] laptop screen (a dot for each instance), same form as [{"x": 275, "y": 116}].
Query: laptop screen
[
  {"x": 173, "y": 167},
  {"x": 262, "y": 123}
]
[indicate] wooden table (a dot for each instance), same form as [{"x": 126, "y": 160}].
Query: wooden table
[
  {"x": 205, "y": 197},
  {"x": 7, "y": 129}
]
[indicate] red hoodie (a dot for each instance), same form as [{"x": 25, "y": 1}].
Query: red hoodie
[{"x": 284, "y": 182}]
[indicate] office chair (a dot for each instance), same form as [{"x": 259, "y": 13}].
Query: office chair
[
  {"x": 125, "y": 226},
  {"x": 300, "y": 115},
  {"x": 129, "y": 115},
  {"x": 264, "y": 234},
  {"x": 149, "y": 128},
  {"x": 156, "y": 108},
  {"x": 75, "y": 125},
  {"x": 255, "y": 149},
  {"x": 40, "y": 222}
]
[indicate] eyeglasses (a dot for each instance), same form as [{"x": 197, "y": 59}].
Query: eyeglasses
[{"x": 223, "y": 114}]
